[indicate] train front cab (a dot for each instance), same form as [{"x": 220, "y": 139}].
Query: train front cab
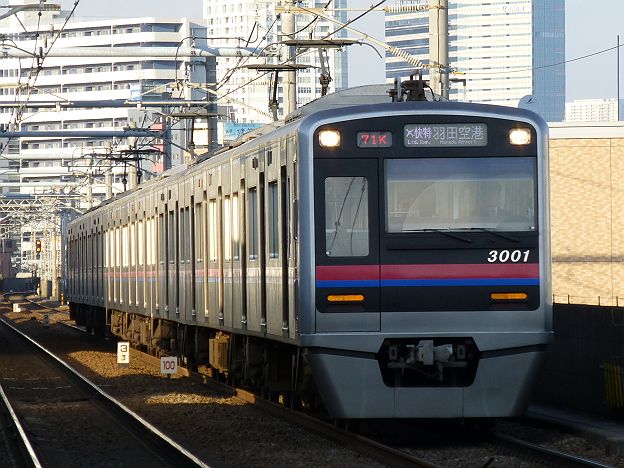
[{"x": 425, "y": 304}]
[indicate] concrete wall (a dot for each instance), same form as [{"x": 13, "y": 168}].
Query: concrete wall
[
  {"x": 586, "y": 338},
  {"x": 587, "y": 213}
]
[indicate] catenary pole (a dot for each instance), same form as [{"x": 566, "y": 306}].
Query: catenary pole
[
  {"x": 438, "y": 47},
  {"x": 289, "y": 84}
]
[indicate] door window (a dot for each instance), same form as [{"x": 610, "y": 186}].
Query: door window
[{"x": 346, "y": 217}]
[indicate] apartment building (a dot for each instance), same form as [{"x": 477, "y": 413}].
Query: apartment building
[
  {"x": 91, "y": 168},
  {"x": 256, "y": 23},
  {"x": 70, "y": 173}
]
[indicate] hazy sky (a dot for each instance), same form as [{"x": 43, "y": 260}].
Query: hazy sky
[{"x": 590, "y": 27}]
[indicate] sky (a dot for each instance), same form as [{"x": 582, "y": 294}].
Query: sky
[{"x": 590, "y": 27}]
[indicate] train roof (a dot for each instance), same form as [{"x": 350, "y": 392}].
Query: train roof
[{"x": 342, "y": 104}]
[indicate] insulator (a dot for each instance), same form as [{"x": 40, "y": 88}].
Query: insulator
[{"x": 405, "y": 8}]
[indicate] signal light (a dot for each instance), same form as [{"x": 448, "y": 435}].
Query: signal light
[{"x": 38, "y": 246}]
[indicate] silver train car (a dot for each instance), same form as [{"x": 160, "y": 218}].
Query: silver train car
[{"x": 392, "y": 259}]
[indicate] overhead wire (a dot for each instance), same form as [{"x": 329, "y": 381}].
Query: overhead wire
[
  {"x": 593, "y": 54},
  {"x": 263, "y": 74},
  {"x": 18, "y": 111}
]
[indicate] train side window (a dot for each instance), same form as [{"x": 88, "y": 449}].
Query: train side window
[
  {"x": 235, "y": 228},
  {"x": 141, "y": 241},
  {"x": 199, "y": 233},
  {"x": 346, "y": 217},
  {"x": 253, "y": 224},
  {"x": 151, "y": 241},
  {"x": 227, "y": 229},
  {"x": 287, "y": 208},
  {"x": 171, "y": 241},
  {"x": 273, "y": 220},
  {"x": 133, "y": 244},
  {"x": 124, "y": 245},
  {"x": 212, "y": 229},
  {"x": 117, "y": 247}
]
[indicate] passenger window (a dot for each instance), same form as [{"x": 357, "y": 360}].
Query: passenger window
[
  {"x": 227, "y": 229},
  {"x": 212, "y": 228},
  {"x": 253, "y": 224},
  {"x": 235, "y": 227},
  {"x": 273, "y": 221},
  {"x": 346, "y": 217}
]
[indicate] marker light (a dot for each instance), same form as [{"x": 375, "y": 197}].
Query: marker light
[
  {"x": 329, "y": 138},
  {"x": 520, "y": 136},
  {"x": 509, "y": 296},
  {"x": 345, "y": 298}
]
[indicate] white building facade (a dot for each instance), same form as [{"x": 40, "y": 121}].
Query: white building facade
[
  {"x": 499, "y": 52},
  {"x": 70, "y": 173},
  {"x": 592, "y": 110},
  {"x": 90, "y": 168},
  {"x": 256, "y": 24}
]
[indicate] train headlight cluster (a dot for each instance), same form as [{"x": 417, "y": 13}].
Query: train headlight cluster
[
  {"x": 520, "y": 136},
  {"x": 329, "y": 138}
]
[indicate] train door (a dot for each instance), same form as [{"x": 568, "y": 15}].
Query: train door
[
  {"x": 214, "y": 266},
  {"x": 276, "y": 294},
  {"x": 237, "y": 264},
  {"x": 171, "y": 272},
  {"x": 163, "y": 263},
  {"x": 241, "y": 251},
  {"x": 226, "y": 235},
  {"x": 254, "y": 262},
  {"x": 347, "y": 245},
  {"x": 184, "y": 250}
]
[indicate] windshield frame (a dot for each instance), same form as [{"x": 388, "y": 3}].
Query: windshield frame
[{"x": 471, "y": 176}]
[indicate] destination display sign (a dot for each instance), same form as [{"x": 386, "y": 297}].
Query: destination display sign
[{"x": 445, "y": 135}]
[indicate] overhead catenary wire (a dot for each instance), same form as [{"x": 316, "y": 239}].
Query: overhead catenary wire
[
  {"x": 576, "y": 59},
  {"x": 345, "y": 25}
]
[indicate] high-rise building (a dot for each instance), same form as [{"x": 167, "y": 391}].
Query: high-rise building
[
  {"x": 500, "y": 52},
  {"x": 66, "y": 172},
  {"x": 91, "y": 167},
  {"x": 592, "y": 110},
  {"x": 256, "y": 23}
]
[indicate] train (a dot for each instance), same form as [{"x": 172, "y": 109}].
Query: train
[{"x": 367, "y": 257}]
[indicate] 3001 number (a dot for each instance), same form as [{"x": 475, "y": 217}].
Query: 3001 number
[{"x": 504, "y": 256}]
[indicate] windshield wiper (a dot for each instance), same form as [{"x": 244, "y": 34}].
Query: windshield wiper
[
  {"x": 495, "y": 233},
  {"x": 441, "y": 231}
]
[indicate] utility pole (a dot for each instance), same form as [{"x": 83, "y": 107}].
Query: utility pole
[
  {"x": 108, "y": 168},
  {"x": 438, "y": 47},
  {"x": 55, "y": 294},
  {"x": 133, "y": 167},
  {"x": 290, "y": 77}
]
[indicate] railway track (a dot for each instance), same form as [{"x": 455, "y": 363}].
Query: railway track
[
  {"x": 543, "y": 454},
  {"x": 380, "y": 451},
  {"x": 71, "y": 422},
  {"x": 15, "y": 448}
]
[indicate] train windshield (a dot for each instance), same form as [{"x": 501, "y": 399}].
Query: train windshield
[{"x": 460, "y": 194}]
